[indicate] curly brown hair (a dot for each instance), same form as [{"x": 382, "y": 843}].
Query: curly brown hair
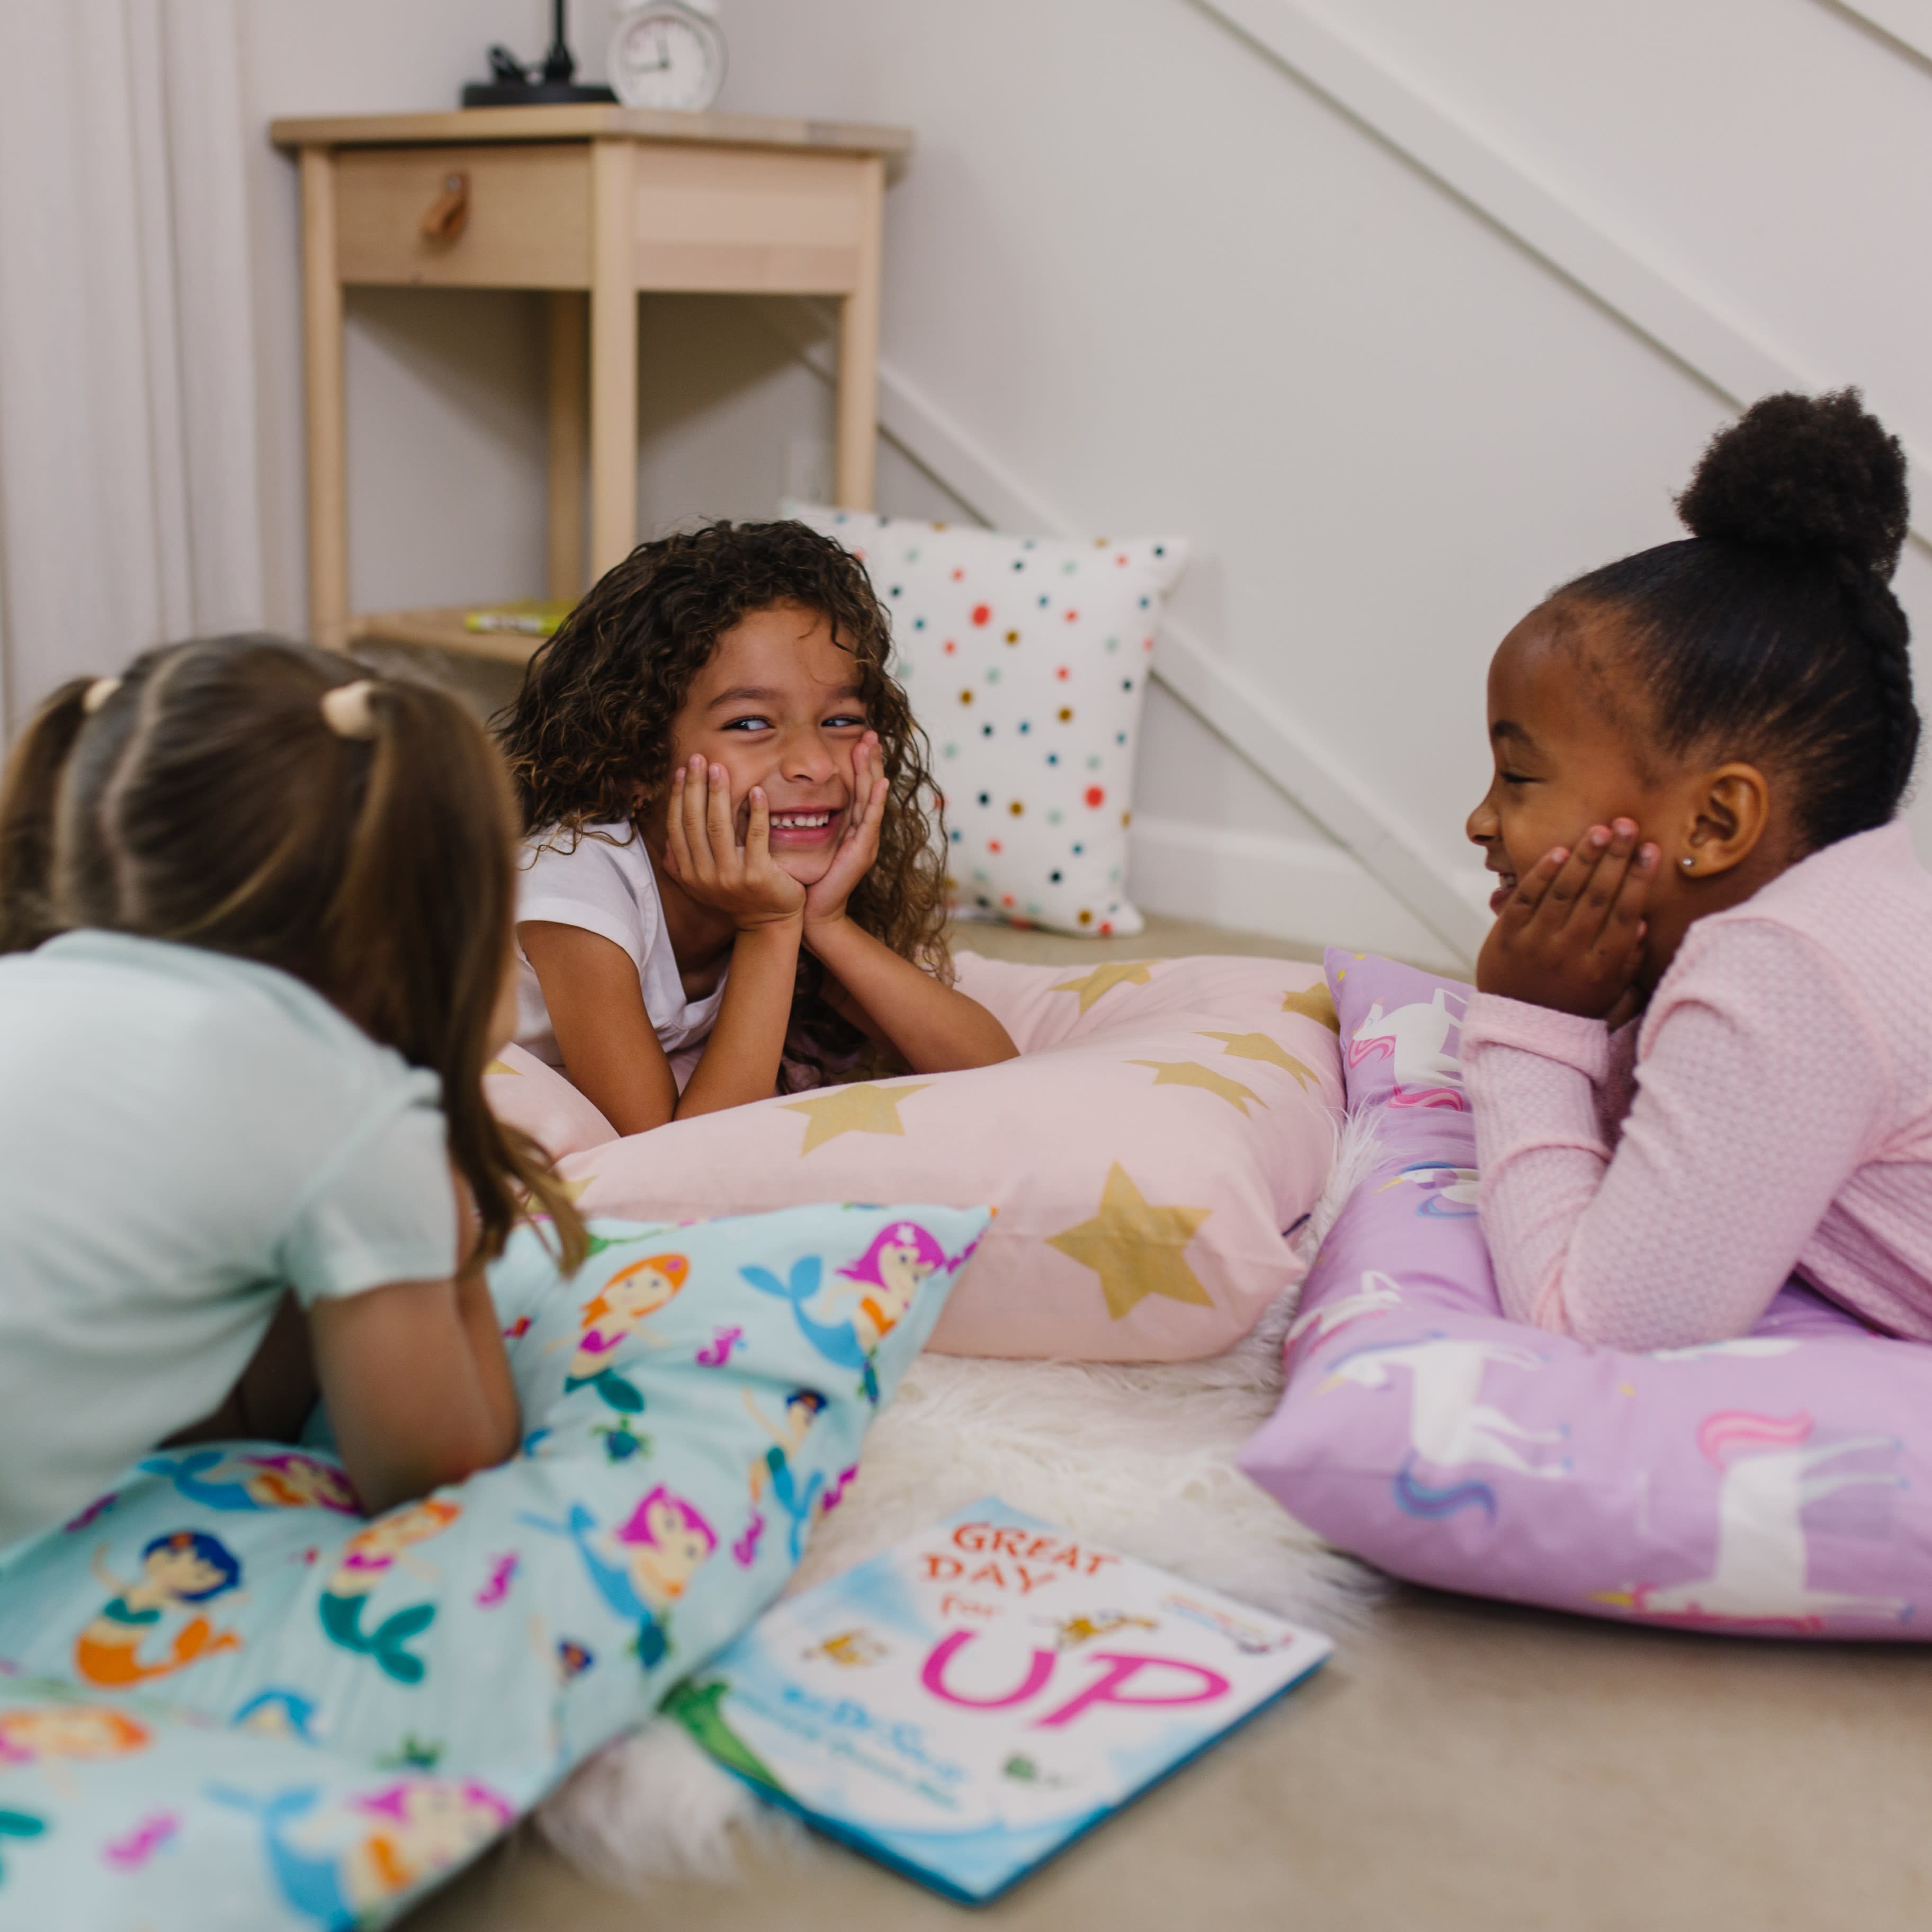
[{"x": 593, "y": 718}]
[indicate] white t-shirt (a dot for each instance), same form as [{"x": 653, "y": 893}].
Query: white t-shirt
[
  {"x": 608, "y": 889},
  {"x": 183, "y": 1136}
]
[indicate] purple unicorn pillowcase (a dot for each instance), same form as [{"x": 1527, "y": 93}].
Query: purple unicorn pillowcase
[{"x": 1778, "y": 1484}]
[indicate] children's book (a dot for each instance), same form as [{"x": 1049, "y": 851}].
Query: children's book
[
  {"x": 965, "y": 1705},
  {"x": 523, "y": 620}
]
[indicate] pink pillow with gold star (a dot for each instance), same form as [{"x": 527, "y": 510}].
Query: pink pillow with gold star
[
  {"x": 1026, "y": 660},
  {"x": 521, "y": 1090},
  {"x": 1167, "y": 1123}
]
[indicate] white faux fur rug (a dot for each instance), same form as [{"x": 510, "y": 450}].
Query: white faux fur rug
[{"x": 1139, "y": 1457}]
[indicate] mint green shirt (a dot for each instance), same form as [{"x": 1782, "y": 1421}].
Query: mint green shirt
[{"x": 183, "y": 1136}]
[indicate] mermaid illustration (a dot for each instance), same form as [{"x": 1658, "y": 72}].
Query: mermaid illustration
[
  {"x": 279, "y": 1714},
  {"x": 398, "y": 1838},
  {"x": 185, "y": 1568},
  {"x": 368, "y": 1558},
  {"x": 773, "y": 1470},
  {"x": 892, "y": 1268},
  {"x": 888, "y": 1274},
  {"x": 49, "y": 1735},
  {"x": 631, "y": 1296},
  {"x": 642, "y": 1568},
  {"x": 289, "y": 1481},
  {"x": 81, "y": 1733}
]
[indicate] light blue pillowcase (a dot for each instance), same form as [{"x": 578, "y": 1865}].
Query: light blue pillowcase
[{"x": 226, "y": 1700}]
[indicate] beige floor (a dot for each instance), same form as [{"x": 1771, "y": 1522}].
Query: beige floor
[{"x": 1459, "y": 1767}]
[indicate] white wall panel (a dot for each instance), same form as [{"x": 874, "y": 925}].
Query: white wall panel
[{"x": 1167, "y": 287}]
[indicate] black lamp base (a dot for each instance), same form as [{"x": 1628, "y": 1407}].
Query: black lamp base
[{"x": 533, "y": 94}]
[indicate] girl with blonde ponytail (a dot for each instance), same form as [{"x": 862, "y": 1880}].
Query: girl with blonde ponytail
[{"x": 255, "y": 911}]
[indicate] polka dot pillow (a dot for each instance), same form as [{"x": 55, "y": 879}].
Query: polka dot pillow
[{"x": 1026, "y": 660}]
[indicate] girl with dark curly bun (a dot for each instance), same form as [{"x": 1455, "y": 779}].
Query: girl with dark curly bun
[
  {"x": 1700, "y": 1053},
  {"x": 733, "y": 874}
]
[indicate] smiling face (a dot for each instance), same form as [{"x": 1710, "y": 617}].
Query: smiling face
[
  {"x": 1568, "y": 720},
  {"x": 390, "y": 1535},
  {"x": 1562, "y": 730},
  {"x": 779, "y": 705},
  {"x": 180, "y": 1572},
  {"x": 299, "y": 1482},
  {"x": 902, "y": 1269},
  {"x": 663, "y": 1566},
  {"x": 442, "y": 1822},
  {"x": 638, "y": 1291}
]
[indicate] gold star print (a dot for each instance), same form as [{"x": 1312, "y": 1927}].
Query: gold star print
[
  {"x": 1314, "y": 1003},
  {"x": 1135, "y": 1248},
  {"x": 1259, "y": 1046},
  {"x": 501, "y": 1067},
  {"x": 572, "y": 1191},
  {"x": 852, "y": 1110},
  {"x": 1105, "y": 978},
  {"x": 1191, "y": 1073}
]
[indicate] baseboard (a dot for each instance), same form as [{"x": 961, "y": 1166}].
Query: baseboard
[{"x": 1289, "y": 888}]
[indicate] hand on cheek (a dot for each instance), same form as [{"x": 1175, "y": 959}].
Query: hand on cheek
[
  {"x": 702, "y": 854},
  {"x": 1570, "y": 937},
  {"x": 858, "y": 848}
]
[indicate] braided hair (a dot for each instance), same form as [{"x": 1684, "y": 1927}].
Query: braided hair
[{"x": 1771, "y": 632}]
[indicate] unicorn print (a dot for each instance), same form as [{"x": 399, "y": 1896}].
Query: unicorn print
[
  {"x": 1414, "y": 1039},
  {"x": 1377, "y": 1295},
  {"x": 1772, "y": 1472},
  {"x": 335, "y": 1864},
  {"x": 289, "y": 1481},
  {"x": 1448, "y": 1193},
  {"x": 367, "y": 1558},
  {"x": 643, "y": 1567},
  {"x": 631, "y": 1295},
  {"x": 1449, "y": 1426},
  {"x": 180, "y": 1570},
  {"x": 1758, "y": 1347}
]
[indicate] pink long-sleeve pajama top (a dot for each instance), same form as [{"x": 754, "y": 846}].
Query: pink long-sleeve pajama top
[{"x": 1770, "y": 1113}]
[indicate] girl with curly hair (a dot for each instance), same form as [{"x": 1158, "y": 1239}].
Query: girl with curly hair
[
  {"x": 732, "y": 876},
  {"x": 1700, "y": 1053}
]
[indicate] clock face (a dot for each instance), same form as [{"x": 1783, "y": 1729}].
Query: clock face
[{"x": 664, "y": 56}]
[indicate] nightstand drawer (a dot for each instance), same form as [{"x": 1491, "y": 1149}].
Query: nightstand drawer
[{"x": 528, "y": 224}]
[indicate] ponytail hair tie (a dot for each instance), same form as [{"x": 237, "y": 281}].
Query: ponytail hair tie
[
  {"x": 97, "y": 693},
  {"x": 345, "y": 710}
]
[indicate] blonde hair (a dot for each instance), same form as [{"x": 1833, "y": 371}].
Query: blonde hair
[{"x": 208, "y": 800}]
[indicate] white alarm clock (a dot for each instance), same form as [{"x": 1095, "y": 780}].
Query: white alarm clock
[{"x": 667, "y": 53}]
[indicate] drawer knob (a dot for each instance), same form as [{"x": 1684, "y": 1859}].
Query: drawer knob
[{"x": 447, "y": 216}]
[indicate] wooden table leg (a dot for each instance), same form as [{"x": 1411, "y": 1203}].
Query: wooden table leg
[
  {"x": 569, "y": 431},
  {"x": 613, "y": 355},
  {"x": 859, "y": 351},
  {"x": 323, "y": 388}
]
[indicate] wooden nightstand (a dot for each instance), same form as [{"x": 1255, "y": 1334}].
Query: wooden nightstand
[{"x": 595, "y": 205}]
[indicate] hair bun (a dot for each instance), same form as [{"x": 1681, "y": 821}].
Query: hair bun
[{"x": 1812, "y": 475}]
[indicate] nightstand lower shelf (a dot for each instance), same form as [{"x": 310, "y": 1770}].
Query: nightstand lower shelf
[{"x": 442, "y": 630}]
